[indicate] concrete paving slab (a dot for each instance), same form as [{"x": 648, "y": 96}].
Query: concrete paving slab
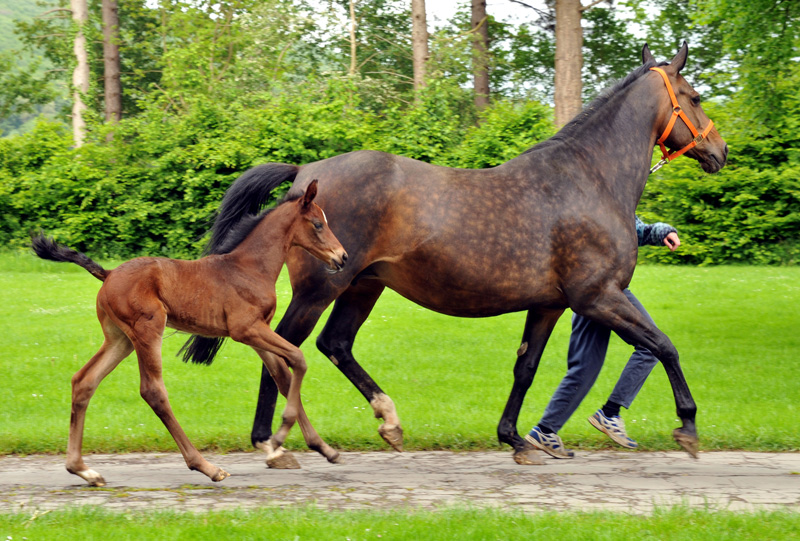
[{"x": 633, "y": 482}]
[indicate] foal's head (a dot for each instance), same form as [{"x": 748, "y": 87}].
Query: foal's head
[
  {"x": 312, "y": 233},
  {"x": 710, "y": 150}
]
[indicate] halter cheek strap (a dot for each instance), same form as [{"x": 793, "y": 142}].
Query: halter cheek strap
[{"x": 677, "y": 111}]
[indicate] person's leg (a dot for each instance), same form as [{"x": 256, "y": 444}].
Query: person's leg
[
  {"x": 635, "y": 373},
  {"x": 588, "y": 344}
]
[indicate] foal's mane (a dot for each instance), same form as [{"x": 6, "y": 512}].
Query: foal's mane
[
  {"x": 239, "y": 231},
  {"x": 574, "y": 126}
]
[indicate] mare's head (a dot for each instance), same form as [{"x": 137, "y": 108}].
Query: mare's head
[
  {"x": 311, "y": 232},
  {"x": 684, "y": 127}
]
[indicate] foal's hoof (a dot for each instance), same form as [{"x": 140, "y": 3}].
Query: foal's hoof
[
  {"x": 528, "y": 457},
  {"x": 283, "y": 461},
  {"x": 90, "y": 476},
  {"x": 335, "y": 458},
  {"x": 689, "y": 442},
  {"x": 393, "y": 435},
  {"x": 220, "y": 475}
]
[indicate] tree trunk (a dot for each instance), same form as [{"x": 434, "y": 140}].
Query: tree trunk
[
  {"x": 569, "y": 60},
  {"x": 80, "y": 77},
  {"x": 419, "y": 42},
  {"x": 111, "y": 64},
  {"x": 353, "y": 59},
  {"x": 480, "y": 58}
]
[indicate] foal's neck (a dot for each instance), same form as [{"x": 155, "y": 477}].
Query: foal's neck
[{"x": 264, "y": 250}]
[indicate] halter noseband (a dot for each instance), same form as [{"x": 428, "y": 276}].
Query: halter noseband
[{"x": 677, "y": 111}]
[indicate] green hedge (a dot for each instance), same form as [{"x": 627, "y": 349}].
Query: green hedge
[{"x": 155, "y": 186}]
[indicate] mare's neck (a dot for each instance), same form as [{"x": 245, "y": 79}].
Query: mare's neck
[{"x": 615, "y": 143}]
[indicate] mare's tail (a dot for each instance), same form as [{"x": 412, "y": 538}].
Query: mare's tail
[
  {"x": 244, "y": 198},
  {"x": 47, "y": 248}
]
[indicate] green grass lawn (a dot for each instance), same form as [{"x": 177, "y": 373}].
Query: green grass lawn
[
  {"x": 445, "y": 524},
  {"x": 735, "y": 327}
]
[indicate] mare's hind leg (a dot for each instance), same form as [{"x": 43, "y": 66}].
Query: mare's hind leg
[
  {"x": 350, "y": 311},
  {"x": 538, "y": 327},
  {"x": 147, "y": 341},
  {"x": 614, "y": 310},
  {"x": 280, "y": 373},
  {"x": 115, "y": 348}
]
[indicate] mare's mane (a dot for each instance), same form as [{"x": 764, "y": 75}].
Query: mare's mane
[
  {"x": 245, "y": 226},
  {"x": 574, "y": 126}
]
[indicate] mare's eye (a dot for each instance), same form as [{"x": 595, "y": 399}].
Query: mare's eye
[{"x": 695, "y": 100}]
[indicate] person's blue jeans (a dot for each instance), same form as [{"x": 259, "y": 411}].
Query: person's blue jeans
[{"x": 588, "y": 345}]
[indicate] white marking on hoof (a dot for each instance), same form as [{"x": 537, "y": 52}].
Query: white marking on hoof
[
  {"x": 273, "y": 455},
  {"x": 91, "y": 477}
]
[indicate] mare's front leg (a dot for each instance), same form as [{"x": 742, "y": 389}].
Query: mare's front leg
[
  {"x": 283, "y": 377},
  {"x": 614, "y": 310},
  {"x": 115, "y": 348},
  {"x": 349, "y": 312},
  {"x": 538, "y": 327},
  {"x": 146, "y": 340}
]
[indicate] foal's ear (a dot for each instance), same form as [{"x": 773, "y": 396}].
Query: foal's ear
[
  {"x": 647, "y": 56},
  {"x": 311, "y": 193},
  {"x": 677, "y": 63}
]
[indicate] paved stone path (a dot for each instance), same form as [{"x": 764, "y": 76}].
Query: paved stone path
[{"x": 633, "y": 482}]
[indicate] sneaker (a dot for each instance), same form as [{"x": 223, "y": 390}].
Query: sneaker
[
  {"x": 613, "y": 427},
  {"x": 549, "y": 443}
]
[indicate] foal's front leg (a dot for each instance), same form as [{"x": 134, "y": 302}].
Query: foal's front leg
[
  {"x": 260, "y": 337},
  {"x": 280, "y": 373}
]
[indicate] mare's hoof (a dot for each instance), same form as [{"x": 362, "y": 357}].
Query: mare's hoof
[
  {"x": 220, "y": 475},
  {"x": 528, "y": 457},
  {"x": 283, "y": 461},
  {"x": 393, "y": 435},
  {"x": 689, "y": 442}
]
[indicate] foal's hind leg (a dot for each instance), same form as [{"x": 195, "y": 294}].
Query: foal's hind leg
[
  {"x": 350, "y": 311},
  {"x": 115, "y": 348},
  {"x": 280, "y": 373},
  {"x": 147, "y": 342},
  {"x": 615, "y": 311}
]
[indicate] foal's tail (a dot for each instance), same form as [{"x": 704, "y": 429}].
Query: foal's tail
[
  {"x": 47, "y": 248},
  {"x": 245, "y": 197}
]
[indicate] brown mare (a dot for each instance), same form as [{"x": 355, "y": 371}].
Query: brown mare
[
  {"x": 549, "y": 230},
  {"x": 231, "y": 294}
]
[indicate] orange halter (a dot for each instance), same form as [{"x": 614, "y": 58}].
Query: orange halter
[{"x": 677, "y": 111}]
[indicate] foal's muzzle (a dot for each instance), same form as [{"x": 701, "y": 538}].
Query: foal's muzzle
[{"x": 337, "y": 263}]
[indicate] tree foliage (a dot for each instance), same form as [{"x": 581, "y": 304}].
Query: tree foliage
[{"x": 213, "y": 88}]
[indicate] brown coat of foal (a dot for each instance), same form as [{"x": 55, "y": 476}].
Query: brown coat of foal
[{"x": 231, "y": 294}]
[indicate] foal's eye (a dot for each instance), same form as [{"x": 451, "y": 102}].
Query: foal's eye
[{"x": 317, "y": 226}]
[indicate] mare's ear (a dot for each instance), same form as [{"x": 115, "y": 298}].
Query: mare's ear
[
  {"x": 311, "y": 193},
  {"x": 677, "y": 63},
  {"x": 647, "y": 56}
]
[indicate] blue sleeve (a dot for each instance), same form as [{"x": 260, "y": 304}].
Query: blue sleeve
[{"x": 652, "y": 234}]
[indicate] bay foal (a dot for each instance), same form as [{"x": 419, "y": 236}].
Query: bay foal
[{"x": 226, "y": 294}]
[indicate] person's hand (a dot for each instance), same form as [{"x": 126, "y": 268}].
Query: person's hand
[{"x": 672, "y": 241}]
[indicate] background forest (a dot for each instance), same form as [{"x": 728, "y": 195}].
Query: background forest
[{"x": 209, "y": 89}]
